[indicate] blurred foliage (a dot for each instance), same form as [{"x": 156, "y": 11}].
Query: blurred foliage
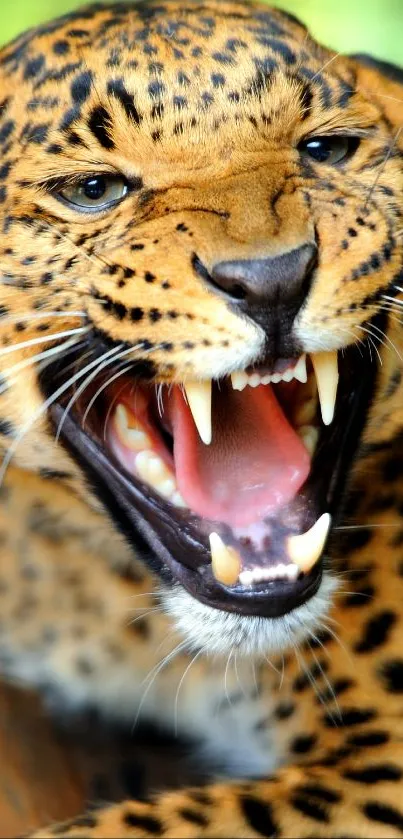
[{"x": 373, "y": 26}]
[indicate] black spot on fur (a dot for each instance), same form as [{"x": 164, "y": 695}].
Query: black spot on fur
[
  {"x": 149, "y": 824},
  {"x": 374, "y": 774},
  {"x": 383, "y": 814},
  {"x": 7, "y": 428},
  {"x": 368, "y": 739},
  {"x": 360, "y": 598},
  {"x": 284, "y": 710},
  {"x": 349, "y": 717},
  {"x": 391, "y": 674},
  {"x": 33, "y": 67},
  {"x": 117, "y": 88},
  {"x": 303, "y": 743},
  {"x": 259, "y": 816},
  {"x": 61, "y": 47},
  {"x": 38, "y": 134},
  {"x": 81, "y": 87},
  {"x": 320, "y": 792},
  {"x": 315, "y": 810},
  {"x": 193, "y": 817},
  {"x": 100, "y": 124},
  {"x": 376, "y": 631}
]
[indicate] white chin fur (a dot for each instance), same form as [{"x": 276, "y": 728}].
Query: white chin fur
[{"x": 218, "y": 633}]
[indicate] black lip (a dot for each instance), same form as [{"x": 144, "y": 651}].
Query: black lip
[{"x": 176, "y": 546}]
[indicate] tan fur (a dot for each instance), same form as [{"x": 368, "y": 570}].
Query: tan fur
[{"x": 228, "y": 173}]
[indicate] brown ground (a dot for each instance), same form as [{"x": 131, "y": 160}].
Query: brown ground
[{"x": 49, "y": 773}]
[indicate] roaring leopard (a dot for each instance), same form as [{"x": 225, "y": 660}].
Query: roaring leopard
[{"x": 201, "y": 406}]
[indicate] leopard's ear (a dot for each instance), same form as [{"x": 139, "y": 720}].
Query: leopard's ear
[
  {"x": 384, "y": 68},
  {"x": 382, "y": 82}
]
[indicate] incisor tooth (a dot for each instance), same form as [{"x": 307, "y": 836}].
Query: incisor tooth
[
  {"x": 326, "y": 369},
  {"x": 305, "y": 550},
  {"x": 199, "y": 396},
  {"x": 300, "y": 371},
  {"x": 288, "y": 376},
  {"x": 226, "y": 563},
  {"x": 239, "y": 380},
  {"x": 255, "y": 380}
]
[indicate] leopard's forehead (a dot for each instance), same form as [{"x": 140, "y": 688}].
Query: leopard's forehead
[{"x": 199, "y": 74}]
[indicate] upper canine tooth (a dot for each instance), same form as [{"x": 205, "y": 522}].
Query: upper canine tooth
[
  {"x": 306, "y": 550},
  {"x": 239, "y": 380},
  {"x": 199, "y": 397},
  {"x": 300, "y": 371},
  {"x": 326, "y": 369},
  {"x": 226, "y": 563}
]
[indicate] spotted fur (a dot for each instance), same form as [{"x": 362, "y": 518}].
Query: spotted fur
[{"x": 202, "y": 106}]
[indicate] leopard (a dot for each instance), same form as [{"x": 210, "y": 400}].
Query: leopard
[{"x": 201, "y": 407}]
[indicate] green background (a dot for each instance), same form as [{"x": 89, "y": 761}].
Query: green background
[{"x": 375, "y": 26}]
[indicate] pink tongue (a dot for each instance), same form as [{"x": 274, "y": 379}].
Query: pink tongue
[{"x": 255, "y": 464}]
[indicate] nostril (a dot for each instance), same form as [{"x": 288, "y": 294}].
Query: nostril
[
  {"x": 233, "y": 289},
  {"x": 283, "y": 279},
  {"x": 237, "y": 291},
  {"x": 313, "y": 262},
  {"x": 200, "y": 269}
]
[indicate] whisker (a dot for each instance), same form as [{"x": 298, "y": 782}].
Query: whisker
[
  {"x": 365, "y": 526},
  {"x": 99, "y": 364},
  {"x": 44, "y": 339},
  {"x": 313, "y": 683},
  {"x": 227, "y": 696},
  {"x": 42, "y": 356},
  {"x": 326, "y": 681},
  {"x": 154, "y": 672},
  {"x": 107, "y": 383},
  {"x": 45, "y": 315},
  {"x": 326, "y": 64},
  {"x": 37, "y": 414},
  {"x": 101, "y": 389},
  {"x": 382, "y": 169},
  {"x": 191, "y": 663},
  {"x": 115, "y": 398}
]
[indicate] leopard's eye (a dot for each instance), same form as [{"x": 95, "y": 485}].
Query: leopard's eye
[
  {"x": 96, "y": 192},
  {"x": 330, "y": 150}
]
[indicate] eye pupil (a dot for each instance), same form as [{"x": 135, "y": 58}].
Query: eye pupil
[
  {"x": 94, "y": 188},
  {"x": 320, "y": 150},
  {"x": 330, "y": 149}
]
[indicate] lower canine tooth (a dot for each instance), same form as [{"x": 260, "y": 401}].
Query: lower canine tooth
[
  {"x": 305, "y": 550},
  {"x": 226, "y": 563},
  {"x": 309, "y": 436},
  {"x": 326, "y": 369},
  {"x": 178, "y": 501},
  {"x": 166, "y": 488},
  {"x": 306, "y": 412}
]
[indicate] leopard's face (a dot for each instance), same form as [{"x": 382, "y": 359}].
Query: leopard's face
[{"x": 201, "y": 237}]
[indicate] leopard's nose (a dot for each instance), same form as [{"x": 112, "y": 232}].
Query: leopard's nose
[
  {"x": 270, "y": 292},
  {"x": 265, "y": 282}
]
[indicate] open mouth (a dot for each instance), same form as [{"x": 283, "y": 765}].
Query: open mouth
[{"x": 231, "y": 485}]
